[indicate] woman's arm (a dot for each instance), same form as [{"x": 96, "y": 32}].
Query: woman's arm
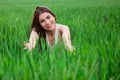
[
  {"x": 32, "y": 41},
  {"x": 65, "y": 34}
]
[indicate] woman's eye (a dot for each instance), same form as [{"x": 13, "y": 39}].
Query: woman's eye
[
  {"x": 41, "y": 21},
  {"x": 48, "y": 17}
]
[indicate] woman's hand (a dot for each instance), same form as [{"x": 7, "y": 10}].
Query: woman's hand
[{"x": 27, "y": 46}]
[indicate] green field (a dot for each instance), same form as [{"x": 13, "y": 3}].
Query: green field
[{"x": 95, "y": 33}]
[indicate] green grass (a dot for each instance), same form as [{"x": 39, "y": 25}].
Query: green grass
[{"x": 95, "y": 33}]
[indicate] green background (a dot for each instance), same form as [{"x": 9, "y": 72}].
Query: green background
[{"x": 95, "y": 33}]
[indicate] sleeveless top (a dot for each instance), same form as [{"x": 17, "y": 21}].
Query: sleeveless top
[{"x": 56, "y": 37}]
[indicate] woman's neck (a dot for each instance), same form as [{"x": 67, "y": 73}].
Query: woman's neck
[{"x": 51, "y": 32}]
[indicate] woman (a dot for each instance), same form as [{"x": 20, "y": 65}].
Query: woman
[{"x": 44, "y": 26}]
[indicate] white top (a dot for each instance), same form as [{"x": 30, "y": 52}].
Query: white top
[{"x": 55, "y": 36}]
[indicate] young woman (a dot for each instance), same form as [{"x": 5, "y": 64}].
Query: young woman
[{"x": 44, "y": 27}]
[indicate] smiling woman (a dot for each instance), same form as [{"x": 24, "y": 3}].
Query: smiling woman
[{"x": 44, "y": 26}]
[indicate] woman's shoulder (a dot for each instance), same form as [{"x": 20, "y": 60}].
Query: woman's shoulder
[{"x": 62, "y": 27}]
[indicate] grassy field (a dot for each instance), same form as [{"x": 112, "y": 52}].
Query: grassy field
[{"x": 95, "y": 33}]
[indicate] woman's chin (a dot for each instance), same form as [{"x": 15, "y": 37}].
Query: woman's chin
[{"x": 50, "y": 28}]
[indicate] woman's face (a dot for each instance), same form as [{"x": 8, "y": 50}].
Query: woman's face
[{"x": 47, "y": 21}]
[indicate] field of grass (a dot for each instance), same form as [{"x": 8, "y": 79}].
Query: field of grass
[{"x": 95, "y": 33}]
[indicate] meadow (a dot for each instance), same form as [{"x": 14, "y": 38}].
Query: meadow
[{"x": 95, "y": 33}]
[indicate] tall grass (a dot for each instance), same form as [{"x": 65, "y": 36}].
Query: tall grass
[{"x": 95, "y": 33}]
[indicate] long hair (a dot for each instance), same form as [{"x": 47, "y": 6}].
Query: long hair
[{"x": 35, "y": 22}]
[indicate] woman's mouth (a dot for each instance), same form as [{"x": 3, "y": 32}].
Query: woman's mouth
[{"x": 49, "y": 26}]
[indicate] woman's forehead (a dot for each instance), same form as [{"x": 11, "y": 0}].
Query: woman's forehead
[{"x": 44, "y": 14}]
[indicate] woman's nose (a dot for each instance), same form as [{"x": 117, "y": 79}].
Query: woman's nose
[{"x": 47, "y": 21}]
